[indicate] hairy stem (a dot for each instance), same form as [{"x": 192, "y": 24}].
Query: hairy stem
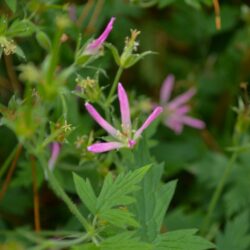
[
  {"x": 57, "y": 188},
  {"x": 5, "y": 165},
  {"x": 12, "y": 74},
  {"x": 217, "y": 14},
  {"x": 10, "y": 172},
  {"x": 35, "y": 195}
]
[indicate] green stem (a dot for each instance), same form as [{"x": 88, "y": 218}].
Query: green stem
[
  {"x": 50, "y": 138},
  {"x": 54, "y": 56},
  {"x": 60, "y": 192},
  {"x": 7, "y": 162},
  {"x": 217, "y": 193},
  {"x": 64, "y": 106},
  {"x": 114, "y": 86}
]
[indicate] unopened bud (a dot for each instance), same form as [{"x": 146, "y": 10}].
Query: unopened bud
[{"x": 89, "y": 89}]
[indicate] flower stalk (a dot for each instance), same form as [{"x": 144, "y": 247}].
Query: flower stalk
[
  {"x": 114, "y": 86},
  {"x": 55, "y": 185}
]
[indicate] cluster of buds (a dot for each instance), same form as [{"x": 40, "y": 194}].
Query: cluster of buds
[
  {"x": 131, "y": 45},
  {"x": 61, "y": 130},
  {"x": 8, "y": 45},
  {"x": 88, "y": 89},
  {"x": 243, "y": 116},
  {"x": 128, "y": 57},
  {"x": 81, "y": 143},
  {"x": 29, "y": 73}
]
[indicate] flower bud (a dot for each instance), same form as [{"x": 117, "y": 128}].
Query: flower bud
[
  {"x": 43, "y": 40},
  {"x": 63, "y": 22},
  {"x": 88, "y": 89},
  {"x": 131, "y": 45},
  {"x": 29, "y": 73},
  {"x": 8, "y": 46}
]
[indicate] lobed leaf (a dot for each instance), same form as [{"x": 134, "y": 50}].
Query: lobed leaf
[
  {"x": 182, "y": 240},
  {"x": 85, "y": 192}
]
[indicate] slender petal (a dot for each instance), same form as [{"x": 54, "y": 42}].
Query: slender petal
[
  {"x": 192, "y": 122},
  {"x": 124, "y": 108},
  {"x": 182, "y": 110},
  {"x": 157, "y": 111},
  {"x": 174, "y": 124},
  {"x": 55, "y": 150},
  {"x": 100, "y": 120},
  {"x": 104, "y": 147},
  {"x": 166, "y": 89},
  {"x": 94, "y": 46},
  {"x": 182, "y": 99}
]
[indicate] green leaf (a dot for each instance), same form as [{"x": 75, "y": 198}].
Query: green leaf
[
  {"x": 19, "y": 52},
  {"x": 88, "y": 246},
  {"x": 43, "y": 40},
  {"x": 154, "y": 197},
  {"x": 11, "y": 4},
  {"x": 3, "y": 25},
  {"x": 82, "y": 59},
  {"x": 182, "y": 240},
  {"x": 119, "y": 218},
  {"x": 21, "y": 28},
  {"x": 194, "y": 3},
  {"x": 237, "y": 197},
  {"x": 163, "y": 198},
  {"x": 164, "y": 3},
  {"x": 124, "y": 241},
  {"x": 134, "y": 58},
  {"x": 153, "y": 200},
  {"x": 236, "y": 234},
  {"x": 85, "y": 192},
  {"x": 115, "y": 193},
  {"x": 114, "y": 52}
]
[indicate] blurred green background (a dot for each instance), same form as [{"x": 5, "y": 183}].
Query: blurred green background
[{"x": 188, "y": 45}]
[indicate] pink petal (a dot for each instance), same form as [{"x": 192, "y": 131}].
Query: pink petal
[
  {"x": 192, "y": 122},
  {"x": 181, "y": 99},
  {"x": 182, "y": 110},
  {"x": 166, "y": 89},
  {"x": 94, "y": 46},
  {"x": 100, "y": 120},
  {"x": 124, "y": 108},
  {"x": 104, "y": 147},
  {"x": 55, "y": 150},
  {"x": 157, "y": 111},
  {"x": 174, "y": 124}
]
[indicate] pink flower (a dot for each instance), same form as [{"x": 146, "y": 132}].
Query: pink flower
[
  {"x": 95, "y": 45},
  {"x": 175, "y": 111},
  {"x": 126, "y": 137},
  {"x": 55, "y": 150}
]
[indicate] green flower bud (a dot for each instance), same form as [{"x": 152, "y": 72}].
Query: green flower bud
[
  {"x": 88, "y": 89},
  {"x": 43, "y": 40}
]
